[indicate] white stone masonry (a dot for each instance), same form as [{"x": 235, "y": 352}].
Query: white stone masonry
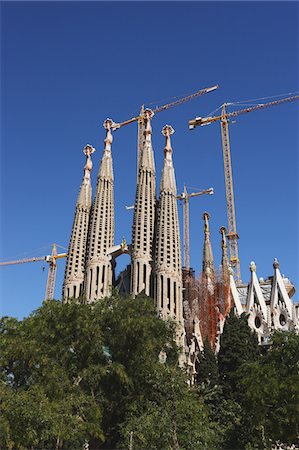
[
  {"x": 75, "y": 263},
  {"x": 99, "y": 271},
  {"x": 144, "y": 216}
]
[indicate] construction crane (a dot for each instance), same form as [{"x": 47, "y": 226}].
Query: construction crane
[
  {"x": 116, "y": 126},
  {"x": 224, "y": 118},
  {"x": 52, "y": 260},
  {"x": 140, "y": 118},
  {"x": 185, "y": 196}
]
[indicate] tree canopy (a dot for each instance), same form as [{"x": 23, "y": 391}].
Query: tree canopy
[
  {"x": 108, "y": 374},
  {"x": 73, "y": 373}
]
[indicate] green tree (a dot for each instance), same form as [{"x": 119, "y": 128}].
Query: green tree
[
  {"x": 224, "y": 412},
  {"x": 136, "y": 336},
  {"x": 77, "y": 372},
  {"x": 172, "y": 416},
  {"x": 206, "y": 366},
  {"x": 48, "y": 363},
  {"x": 271, "y": 390},
  {"x": 238, "y": 345}
]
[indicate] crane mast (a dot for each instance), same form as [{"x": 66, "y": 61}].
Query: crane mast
[
  {"x": 185, "y": 196},
  {"x": 186, "y": 230},
  {"x": 50, "y": 287},
  {"x": 232, "y": 234}
]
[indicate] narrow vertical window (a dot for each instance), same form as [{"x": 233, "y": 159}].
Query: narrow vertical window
[
  {"x": 168, "y": 293},
  {"x": 161, "y": 280},
  {"x": 138, "y": 274},
  {"x": 90, "y": 284},
  {"x": 97, "y": 278},
  {"x": 144, "y": 275},
  {"x": 174, "y": 297},
  {"x": 103, "y": 276}
]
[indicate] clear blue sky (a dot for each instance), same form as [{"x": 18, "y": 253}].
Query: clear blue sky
[{"x": 67, "y": 66}]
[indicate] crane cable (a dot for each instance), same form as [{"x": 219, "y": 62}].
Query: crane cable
[
  {"x": 262, "y": 98},
  {"x": 246, "y": 102},
  {"x": 29, "y": 253}
]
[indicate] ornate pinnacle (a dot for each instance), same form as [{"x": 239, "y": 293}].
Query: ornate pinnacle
[
  {"x": 252, "y": 266},
  {"x": 148, "y": 114},
  {"x": 222, "y": 231},
  {"x": 208, "y": 262},
  {"x": 88, "y": 150},
  {"x": 167, "y": 131},
  {"x": 206, "y": 217},
  {"x": 224, "y": 261},
  {"x": 108, "y": 123},
  {"x": 276, "y": 263}
]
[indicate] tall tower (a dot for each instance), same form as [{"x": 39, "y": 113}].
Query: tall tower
[
  {"x": 144, "y": 215},
  {"x": 208, "y": 310},
  {"x": 207, "y": 260},
  {"x": 99, "y": 270},
  {"x": 75, "y": 263},
  {"x": 168, "y": 263}
]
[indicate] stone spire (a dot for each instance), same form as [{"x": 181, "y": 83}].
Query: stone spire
[
  {"x": 75, "y": 263},
  {"x": 144, "y": 215},
  {"x": 99, "y": 271},
  {"x": 168, "y": 264},
  {"x": 208, "y": 260},
  {"x": 224, "y": 258}
]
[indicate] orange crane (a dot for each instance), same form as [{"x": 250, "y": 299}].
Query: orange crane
[
  {"x": 232, "y": 234},
  {"x": 184, "y": 197},
  {"x": 140, "y": 118},
  {"x": 51, "y": 259}
]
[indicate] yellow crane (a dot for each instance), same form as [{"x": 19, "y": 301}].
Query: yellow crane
[
  {"x": 52, "y": 260},
  {"x": 224, "y": 118},
  {"x": 140, "y": 118},
  {"x": 184, "y": 197},
  {"x": 116, "y": 126}
]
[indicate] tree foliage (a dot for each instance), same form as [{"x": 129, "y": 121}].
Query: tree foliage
[
  {"x": 206, "y": 365},
  {"x": 73, "y": 373},
  {"x": 238, "y": 345},
  {"x": 271, "y": 390}
]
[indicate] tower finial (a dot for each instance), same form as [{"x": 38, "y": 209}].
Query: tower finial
[
  {"x": 206, "y": 218},
  {"x": 167, "y": 131},
  {"x": 88, "y": 150},
  {"x": 208, "y": 260},
  {"x": 224, "y": 259},
  {"x": 108, "y": 140},
  {"x": 148, "y": 115},
  {"x": 276, "y": 263},
  {"x": 252, "y": 266}
]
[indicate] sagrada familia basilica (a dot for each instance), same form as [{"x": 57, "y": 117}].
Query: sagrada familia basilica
[{"x": 198, "y": 306}]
